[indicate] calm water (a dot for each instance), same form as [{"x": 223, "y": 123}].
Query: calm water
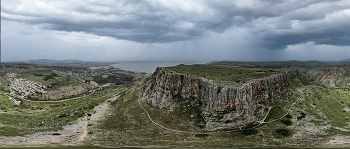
[{"x": 149, "y": 67}]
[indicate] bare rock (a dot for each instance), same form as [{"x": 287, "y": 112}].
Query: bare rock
[{"x": 224, "y": 107}]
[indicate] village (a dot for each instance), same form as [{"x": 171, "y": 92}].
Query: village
[
  {"x": 80, "y": 75},
  {"x": 105, "y": 72},
  {"x": 23, "y": 87}
]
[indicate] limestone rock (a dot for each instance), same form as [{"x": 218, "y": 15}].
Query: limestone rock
[
  {"x": 331, "y": 77},
  {"x": 224, "y": 107}
]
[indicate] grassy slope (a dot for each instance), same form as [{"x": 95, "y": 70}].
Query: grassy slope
[
  {"x": 328, "y": 105},
  {"x": 341, "y": 81},
  {"x": 54, "y": 81},
  {"x": 128, "y": 124},
  {"x": 38, "y": 74},
  {"x": 32, "y": 117}
]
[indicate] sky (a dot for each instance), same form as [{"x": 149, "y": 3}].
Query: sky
[{"x": 175, "y": 30}]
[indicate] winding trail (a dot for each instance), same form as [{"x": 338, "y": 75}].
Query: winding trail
[
  {"x": 150, "y": 118},
  {"x": 288, "y": 111},
  {"x": 237, "y": 130},
  {"x": 166, "y": 128},
  {"x": 69, "y": 136},
  {"x": 74, "y": 134},
  {"x": 56, "y": 101},
  {"x": 262, "y": 121}
]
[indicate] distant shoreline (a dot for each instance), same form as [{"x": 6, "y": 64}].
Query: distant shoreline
[{"x": 148, "y": 67}]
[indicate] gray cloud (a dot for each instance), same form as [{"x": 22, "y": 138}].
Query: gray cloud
[
  {"x": 316, "y": 23},
  {"x": 275, "y": 24}
]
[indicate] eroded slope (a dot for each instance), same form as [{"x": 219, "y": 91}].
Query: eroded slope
[{"x": 222, "y": 107}]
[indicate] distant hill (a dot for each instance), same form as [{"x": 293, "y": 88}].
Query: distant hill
[
  {"x": 347, "y": 60},
  {"x": 47, "y": 62},
  {"x": 52, "y": 61}
]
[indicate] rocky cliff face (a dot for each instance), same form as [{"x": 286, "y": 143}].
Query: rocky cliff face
[
  {"x": 223, "y": 107},
  {"x": 331, "y": 77}
]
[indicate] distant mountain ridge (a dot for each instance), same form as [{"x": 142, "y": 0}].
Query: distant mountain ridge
[
  {"x": 48, "y": 62},
  {"x": 52, "y": 61},
  {"x": 347, "y": 60}
]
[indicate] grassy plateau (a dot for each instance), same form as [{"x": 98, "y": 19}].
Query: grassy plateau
[{"x": 229, "y": 75}]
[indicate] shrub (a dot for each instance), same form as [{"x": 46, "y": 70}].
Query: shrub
[
  {"x": 201, "y": 135},
  {"x": 287, "y": 122},
  {"x": 284, "y": 132},
  {"x": 289, "y": 116},
  {"x": 250, "y": 131},
  {"x": 302, "y": 116},
  {"x": 62, "y": 115}
]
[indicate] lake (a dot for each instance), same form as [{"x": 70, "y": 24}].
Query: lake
[{"x": 149, "y": 67}]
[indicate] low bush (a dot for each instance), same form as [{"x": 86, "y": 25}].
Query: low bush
[
  {"x": 284, "y": 132},
  {"x": 287, "y": 122}
]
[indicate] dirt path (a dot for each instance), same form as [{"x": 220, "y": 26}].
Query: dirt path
[
  {"x": 289, "y": 110},
  {"x": 339, "y": 141},
  {"x": 72, "y": 135},
  {"x": 188, "y": 132},
  {"x": 15, "y": 101},
  {"x": 150, "y": 118},
  {"x": 99, "y": 112},
  {"x": 166, "y": 128},
  {"x": 269, "y": 109},
  {"x": 66, "y": 137}
]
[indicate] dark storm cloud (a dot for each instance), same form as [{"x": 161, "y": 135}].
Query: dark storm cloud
[
  {"x": 320, "y": 23},
  {"x": 276, "y": 24}
]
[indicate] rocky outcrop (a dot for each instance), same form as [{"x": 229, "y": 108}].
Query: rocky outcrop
[
  {"x": 223, "y": 107},
  {"x": 330, "y": 77}
]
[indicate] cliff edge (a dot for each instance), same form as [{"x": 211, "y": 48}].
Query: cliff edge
[
  {"x": 329, "y": 77},
  {"x": 222, "y": 107}
]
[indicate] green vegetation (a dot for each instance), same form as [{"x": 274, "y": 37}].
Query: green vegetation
[
  {"x": 37, "y": 74},
  {"x": 31, "y": 117},
  {"x": 283, "y": 102},
  {"x": 289, "y": 116},
  {"x": 116, "y": 79},
  {"x": 45, "y": 76},
  {"x": 287, "y": 122},
  {"x": 281, "y": 107},
  {"x": 327, "y": 105},
  {"x": 185, "y": 116},
  {"x": 229, "y": 75},
  {"x": 48, "y": 79},
  {"x": 284, "y": 132},
  {"x": 303, "y": 114},
  {"x": 128, "y": 125}
]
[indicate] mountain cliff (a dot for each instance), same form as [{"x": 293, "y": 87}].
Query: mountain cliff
[
  {"x": 222, "y": 107},
  {"x": 330, "y": 77}
]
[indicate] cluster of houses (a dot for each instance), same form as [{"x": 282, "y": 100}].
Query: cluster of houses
[
  {"x": 80, "y": 76},
  {"x": 69, "y": 74},
  {"x": 24, "y": 87}
]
